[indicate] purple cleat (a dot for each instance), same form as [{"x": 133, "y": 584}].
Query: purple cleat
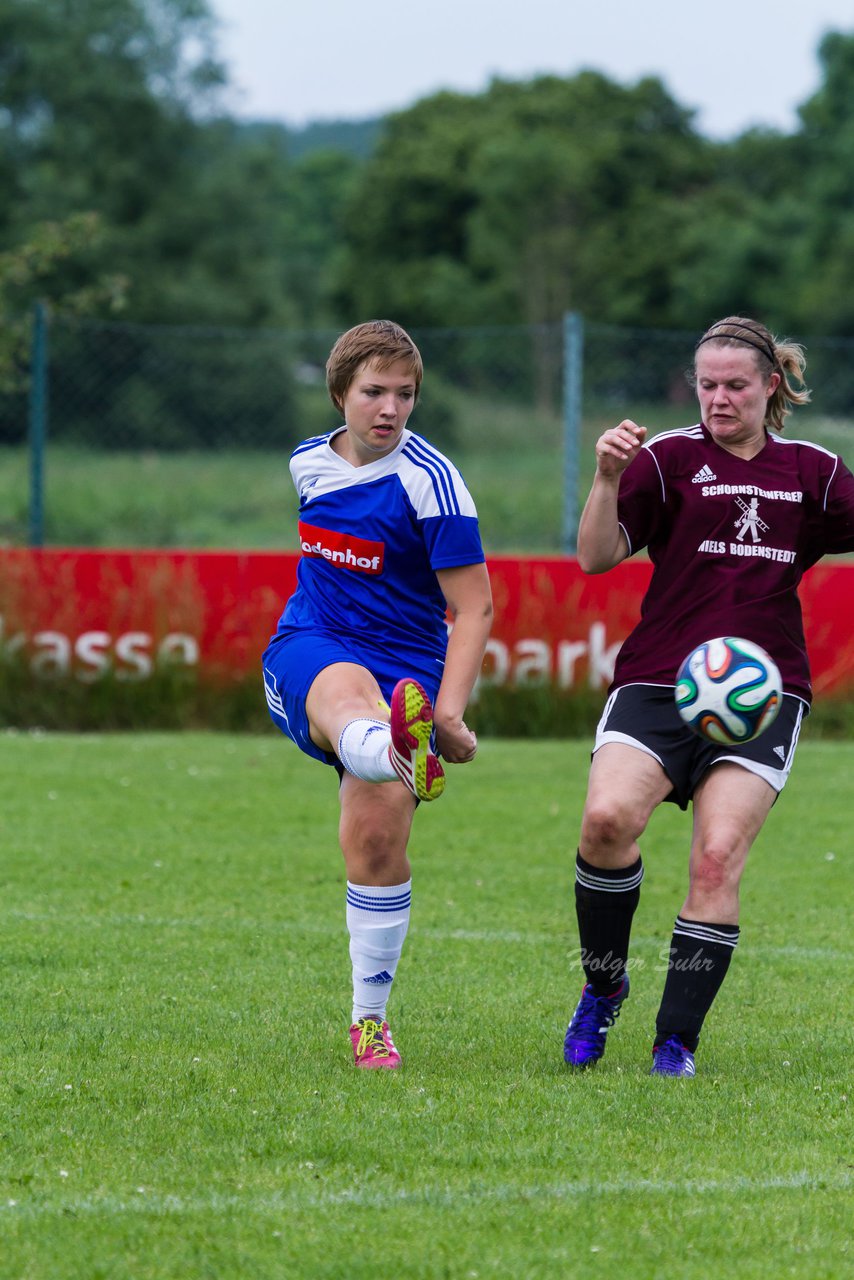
[
  {"x": 585, "y": 1037},
  {"x": 672, "y": 1059}
]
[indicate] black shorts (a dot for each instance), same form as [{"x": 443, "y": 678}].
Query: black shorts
[{"x": 645, "y": 716}]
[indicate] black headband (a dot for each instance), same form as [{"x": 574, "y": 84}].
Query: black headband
[{"x": 763, "y": 345}]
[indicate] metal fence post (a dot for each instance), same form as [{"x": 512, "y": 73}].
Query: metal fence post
[
  {"x": 573, "y": 372},
  {"x": 38, "y": 423}
]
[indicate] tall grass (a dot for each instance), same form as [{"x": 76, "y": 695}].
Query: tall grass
[{"x": 512, "y": 459}]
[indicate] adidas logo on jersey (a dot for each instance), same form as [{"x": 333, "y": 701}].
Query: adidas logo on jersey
[
  {"x": 781, "y": 752},
  {"x": 704, "y": 476}
]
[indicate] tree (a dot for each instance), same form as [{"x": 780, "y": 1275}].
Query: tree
[
  {"x": 820, "y": 268},
  {"x": 30, "y": 272},
  {"x": 112, "y": 107},
  {"x": 405, "y": 245},
  {"x": 98, "y": 98},
  {"x": 524, "y": 202}
]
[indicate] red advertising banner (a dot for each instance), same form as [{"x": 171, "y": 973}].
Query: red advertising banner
[{"x": 86, "y": 613}]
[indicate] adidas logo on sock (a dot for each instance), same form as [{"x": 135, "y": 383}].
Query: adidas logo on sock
[
  {"x": 379, "y": 979},
  {"x": 781, "y": 752},
  {"x": 704, "y": 476}
]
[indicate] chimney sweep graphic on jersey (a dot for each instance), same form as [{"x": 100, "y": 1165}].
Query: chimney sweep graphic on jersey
[{"x": 749, "y": 519}]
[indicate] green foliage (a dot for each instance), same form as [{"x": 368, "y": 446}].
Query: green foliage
[
  {"x": 110, "y": 106},
  {"x": 203, "y": 498},
  {"x": 353, "y": 138},
  {"x": 521, "y": 202},
  {"x": 827, "y": 242},
  {"x": 510, "y": 454},
  {"x": 535, "y": 198},
  {"x": 179, "y": 698},
  {"x": 147, "y": 387},
  {"x": 55, "y": 265},
  {"x": 313, "y": 226},
  {"x": 122, "y": 183},
  {"x": 97, "y": 96},
  {"x": 173, "y": 698},
  {"x": 176, "y": 1076},
  {"x": 509, "y": 206},
  {"x": 536, "y": 711}
]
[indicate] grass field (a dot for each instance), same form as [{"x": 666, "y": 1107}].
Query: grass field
[{"x": 176, "y": 1085}]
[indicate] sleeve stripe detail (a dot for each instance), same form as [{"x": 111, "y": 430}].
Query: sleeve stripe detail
[
  {"x": 421, "y": 455},
  {"x": 311, "y": 443},
  {"x": 660, "y": 476},
  {"x": 692, "y": 433},
  {"x": 811, "y": 444},
  {"x": 829, "y": 483},
  {"x": 806, "y": 444}
]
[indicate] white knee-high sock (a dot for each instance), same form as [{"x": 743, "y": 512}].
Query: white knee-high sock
[
  {"x": 377, "y": 918},
  {"x": 363, "y": 750}
]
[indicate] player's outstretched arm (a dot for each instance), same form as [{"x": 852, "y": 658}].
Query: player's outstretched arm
[
  {"x": 469, "y": 599},
  {"x": 601, "y": 541}
]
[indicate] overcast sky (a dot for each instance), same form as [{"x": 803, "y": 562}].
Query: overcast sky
[{"x": 739, "y": 63}]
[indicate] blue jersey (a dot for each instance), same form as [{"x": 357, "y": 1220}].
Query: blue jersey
[{"x": 372, "y": 538}]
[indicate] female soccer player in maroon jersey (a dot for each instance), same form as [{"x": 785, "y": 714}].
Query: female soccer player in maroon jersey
[{"x": 732, "y": 516}]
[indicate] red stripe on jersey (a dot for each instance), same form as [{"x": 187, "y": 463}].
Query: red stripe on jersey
[{"x": 342, "y": 549}]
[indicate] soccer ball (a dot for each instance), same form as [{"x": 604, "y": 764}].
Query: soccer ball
[{"x": 728, "y": 690}]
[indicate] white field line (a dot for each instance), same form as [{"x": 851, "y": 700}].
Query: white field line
[
  {"x": 497, "y": 937},
  {"x": 148, "y": 1203}
]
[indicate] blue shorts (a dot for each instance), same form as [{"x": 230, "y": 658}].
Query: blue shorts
[
  {"x": 645, "y": 716},
  {"x": 295, "y": 658}
]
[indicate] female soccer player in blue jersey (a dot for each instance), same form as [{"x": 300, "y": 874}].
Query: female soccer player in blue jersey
[
  {"x": 683, "y": 494},
  {"x": 362, "y": 655}
]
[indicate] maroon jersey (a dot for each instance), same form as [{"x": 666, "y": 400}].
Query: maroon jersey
[{"x": 729, "y": 540}]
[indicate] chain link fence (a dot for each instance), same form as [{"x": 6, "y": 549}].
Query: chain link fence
[{"x": 153, "y": 435}]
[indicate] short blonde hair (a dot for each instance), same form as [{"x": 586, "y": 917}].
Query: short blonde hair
[
  {"x": 379, "y": 342},
  {"x": 772, "y": 356}
]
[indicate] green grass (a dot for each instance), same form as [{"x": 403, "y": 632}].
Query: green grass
[
  {"x": 176, "y": 1088},
  {"x": 511, "y": 457},
  {"x": 234, "y": 498}
]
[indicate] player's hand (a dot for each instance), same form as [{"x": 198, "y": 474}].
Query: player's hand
[
  {"x": 617, "y": 446},
  {"x": 455, "y": 742}
]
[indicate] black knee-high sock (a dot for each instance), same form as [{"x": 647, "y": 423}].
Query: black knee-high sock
[
  {"x": 605, "y": 902},
  {"x": 699, "y": 958}
]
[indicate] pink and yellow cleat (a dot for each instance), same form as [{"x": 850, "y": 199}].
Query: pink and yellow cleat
[
  {"x": 411, "y": 753},
  {"x": 373, "y": 1045}
]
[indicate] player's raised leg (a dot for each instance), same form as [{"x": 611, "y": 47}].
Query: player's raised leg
[{"x": 347, "y": 716}]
